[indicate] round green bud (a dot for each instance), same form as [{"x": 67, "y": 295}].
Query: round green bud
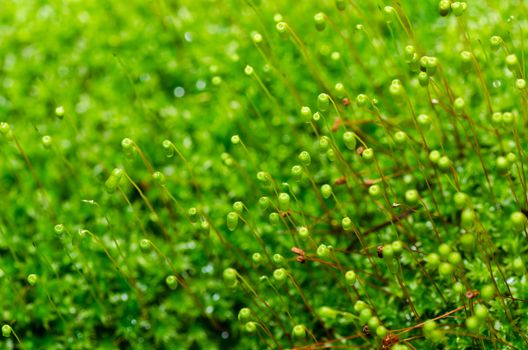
[
  {"x": 518, "y": 266},
  {"x": 193, "y": 214},
  {"x": 257, "y": 258},
  {"x": 467, "y": 241},
  {"x": 381, "y": 332},
  {"x": 330, "y": 154},
  {"x": 232, "y": 220},
  {"x": 346, "y": 222},
  {"x": 495, "y": 42},
  {"x": 320, "y": 21},
  {"x": 47, "y": 141},
  {"x": 397, "y": 247},
  {"x": 502, "y": 164},
  {"x": 508, "y": 118},
  {"x": 368, "y": 154},
  {"x": 230, "y": 275},
  {"x": 458, "y": 8},
  {"x": 159, "y": 177},
  {"x": 256, "y": 37},
  {"x": 458, "y": 105},
  {"x": 444, "y": 250},
  {"x": 436, "y": 336},
  {"x": 127, "y": 144},
  {"x": 409, "y": 52},
  {"x": 518, "y": 220},
  {"x": 424, "y": 120},
  {"x": 274, "y": 218},
  {"x": 511, "y": 157},
  {"x": 423, "y": 63},
  {"x": 324, "y": 143},
  {"x": 350, "y": 141},
  {"x": 350, "y": 277},
  {"x": 360, "y": 305},
  {"x": 299, "y": 331},
  {"x": 4, "y": 128},
  {"x": 280, "y": 274},
  {"x": 6, "y": 330},
  {"x": 365, "y": 315},
  {"x": 323, "y": 102},
  {"x": 434, "y": 156},
  {"x": 388, "y": 252},
  {"x": 375, "y": 191},
  {"x": 238, "y": 206},
  {"x": 59, "y": 112},
  {"x": 205, "y": 226},
  {"x": 32, "y": 279},
  {"x": 248, "y": 70},
  {"x": 304, "y": 158},
  {"x": 264, "y": 202},
  {"x": 468, "y": 217},
  {"x": 244, "y": 315},
  {"x": 472, "y": 323},
  {"x": 278, "y": 259},
  {"x": 172, "y": 281},
  {"x": 431, "y": 64},
  {"x": 389, "y": 12},
  {"x": 400, "y": 137},
  {"x": 323, "y": 251},
  {"x": 111, "y": 184},
  {"x": 340, "y": 4},
  {"x": 284, "y": 201},
  {"x": 396, "y": 88},
  {"x": 306, "y": 113},
  {"x": 144, "y": 244},
  {"x": 282, "y": 28},
  {"x": 446, "y": 269},
  {"x": 511, "y": 61},
  {"x": 496, "y": 119},
  {"x": 461, "y": 200},
  {"x": 303, "y": 231},
  {"x": 235, "y": 139},
  {"x": 361, "y": 100},
  {"x": 481, "y": 312},
  {"x": 327, "y": 312},
  {"x": 339, "y": 89},
  {"x": 466, "y": 56},
  {"x": 454, "y": 258},
  {"x": 326, "y": 191},
  {"x": 487, "y": 292},
  {"x": 429, "y": 326},
  {"x": 250, "y": 327},
  {"x": 520, "y": 84},
  {"x": 444, "y": 163},
  {"x": 412, "y": 196},
  {"x": 117, "y": 173},
  {"x": 459, "y": 288},
  {"x": 444, "y": 7},
  {"x": 216, "y": 80},
  {"x": 59, "y": 229},
  {"x": 433, "y": 260},
  {"x": 423, "y": 79},
  {"x": 373, "y": 323}
]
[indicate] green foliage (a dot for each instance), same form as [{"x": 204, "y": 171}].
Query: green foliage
[{"x": 263, "y": 174}]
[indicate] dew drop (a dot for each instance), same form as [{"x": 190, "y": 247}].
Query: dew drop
[{"x": 179, "y": 92}]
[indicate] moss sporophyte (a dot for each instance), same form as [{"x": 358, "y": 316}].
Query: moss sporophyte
[{"x": 256, "y": 175}]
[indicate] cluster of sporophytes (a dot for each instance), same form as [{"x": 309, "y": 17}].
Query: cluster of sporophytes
[{"x": 263, "y": 174}]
